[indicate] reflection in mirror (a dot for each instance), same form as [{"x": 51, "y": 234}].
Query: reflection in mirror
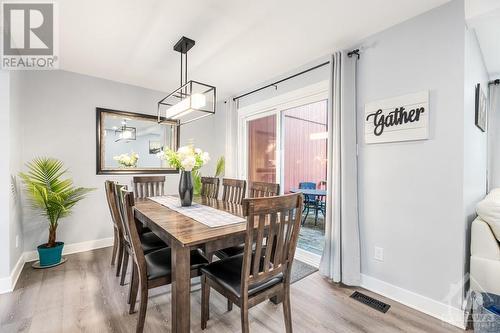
[{"x": 130, "y": 142}]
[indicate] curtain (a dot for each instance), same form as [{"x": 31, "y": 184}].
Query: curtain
[
  {"x": 494, "y": 137},
  {"x": 231, "y": 137},
  {"x": 341, "y": 255}
]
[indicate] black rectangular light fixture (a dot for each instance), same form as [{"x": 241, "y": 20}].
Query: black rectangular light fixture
[{"x": 193, "y": 100}]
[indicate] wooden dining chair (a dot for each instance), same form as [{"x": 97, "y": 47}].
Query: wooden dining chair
[
  {"x": 149, "y": 241},
  {"x": 210, "y": 187},
  {"x": 263, "y": 189},
  {"x": 150, "y": 270},
  {"x": 256, "y": 190},
  {"x": 149, "y": 186},
  {"x": 233, "y": 190},
  {"x": 117, "y": 231},
  {"x": 264, "y": 269}
]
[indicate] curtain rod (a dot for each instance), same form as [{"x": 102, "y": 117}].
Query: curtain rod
[
  {"x": 282, "y": 80},
  {"x": 274, "y": 84},
  {"x": 494, "y": 82}
]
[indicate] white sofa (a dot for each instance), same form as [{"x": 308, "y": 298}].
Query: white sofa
[{"x": 485, "y": 245}]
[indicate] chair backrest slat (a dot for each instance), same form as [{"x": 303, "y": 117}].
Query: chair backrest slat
[
  {"x": 210, "y": 187},
  {"x": 149, "y": 186},
  {"x": 233, "y": 190},
  {"x": 263, "y": 189},
  {"x": 273, "y": 225}
]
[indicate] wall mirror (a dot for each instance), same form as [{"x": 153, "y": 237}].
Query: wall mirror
[{"x": 129, "y": 143}]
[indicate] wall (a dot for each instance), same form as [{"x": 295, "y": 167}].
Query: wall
[
  {"x": 4, "y": 173},
  {"x": 15, "y": 164},
  {"x": 58, "y": 120},
  {"x": 494, "y": 137},
  {"x": 410, "y": 193},
  {"x": 475, "y": 141}
]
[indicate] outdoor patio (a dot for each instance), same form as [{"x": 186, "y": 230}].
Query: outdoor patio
[{"x": 312, "y": 237}]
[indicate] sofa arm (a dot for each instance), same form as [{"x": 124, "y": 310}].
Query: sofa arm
[
  {"x": 483, "y": 242},
  {"x": 485, "y": 275}
]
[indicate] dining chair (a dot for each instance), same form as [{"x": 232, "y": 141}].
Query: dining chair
[
  {"x": 310, "y": 201},
  {"x": 264, "y": 269},
  {"x": 150, "y": 270},
  {"x": 117, "y": 232},
  {"x": 149, "y": 186},
  {"x": 149, "y": 241},
  {"x": 321, "y": 200},
  {"x": 256, "y": 190},
  {"x": 263, "y": 189},
  {"x": 233, "y": 190},
  {"x": 210, "y": 187}
]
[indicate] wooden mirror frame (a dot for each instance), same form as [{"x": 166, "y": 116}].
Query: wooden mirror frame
[{"x": 100, "y": 170}]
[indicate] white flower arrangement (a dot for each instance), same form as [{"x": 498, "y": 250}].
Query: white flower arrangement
[
  {"x": 186, "y": 158},
  {"x": 127, "y": 160}
]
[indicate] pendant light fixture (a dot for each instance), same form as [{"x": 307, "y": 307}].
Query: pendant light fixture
[
  {"x": 125, "y": 132},
  {"x": 193, "y": 100}
]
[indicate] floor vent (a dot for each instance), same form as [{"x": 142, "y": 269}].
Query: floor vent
[{"x": 371, "y": 302}]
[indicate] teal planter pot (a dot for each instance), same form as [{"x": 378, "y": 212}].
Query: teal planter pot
[{"x": 50, "y": 256}]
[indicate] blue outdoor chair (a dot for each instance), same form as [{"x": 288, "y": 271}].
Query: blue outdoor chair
[{"x": 309, "y": 200}]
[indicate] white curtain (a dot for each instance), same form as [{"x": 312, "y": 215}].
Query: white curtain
[
  {"x": 494, "y": 137},
  {"x": 341, "y": 256},
  {"x": 231, "y": 137}
]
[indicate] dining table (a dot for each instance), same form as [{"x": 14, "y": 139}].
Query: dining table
[{"x": 183, "y": 233}]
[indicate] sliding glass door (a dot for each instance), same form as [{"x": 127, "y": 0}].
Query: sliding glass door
[
  {"x": 288, "y": 145},
  {"x": 262, "y": 149}
]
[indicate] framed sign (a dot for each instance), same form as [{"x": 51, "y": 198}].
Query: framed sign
[
  {"x": 481, "y": 111},
  {"x": 403, "y": 118}
]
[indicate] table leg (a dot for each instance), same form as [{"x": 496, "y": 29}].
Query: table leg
[{"x": 181, "y": 284}]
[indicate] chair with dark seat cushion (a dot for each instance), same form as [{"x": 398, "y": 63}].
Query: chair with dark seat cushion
[
  {"x": 149, "y": 241},
  {"x": 256, "y": 190},
  {"x": 150, "y": 270},
  {"x": 209, "y": 187},
  {"x": 121, "y": 247},
  {"x": 264, "y": 269},
  {"x": 227, "y": 272}
]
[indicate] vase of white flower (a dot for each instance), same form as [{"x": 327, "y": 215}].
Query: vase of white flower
[
  {"x": 186, "y": 188},
  {"x": 187, "y": 159}
]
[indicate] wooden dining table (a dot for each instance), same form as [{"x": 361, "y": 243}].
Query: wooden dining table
[{"x": 183, "y": 234}]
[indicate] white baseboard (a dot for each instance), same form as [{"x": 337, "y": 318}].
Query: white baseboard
[
  {"x": 307, "y": 257},
  {"x": 8, "y": 284},
  {"x": 74, "y": 248},
  {"x": 439, "y": 310}
]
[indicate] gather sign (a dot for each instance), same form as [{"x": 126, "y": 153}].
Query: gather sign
[{"x": 402, "y": 118}]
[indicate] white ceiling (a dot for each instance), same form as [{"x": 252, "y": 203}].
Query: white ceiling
[
  {"x": 484, "y": 17},
  {"x": 239, "y": 43}
]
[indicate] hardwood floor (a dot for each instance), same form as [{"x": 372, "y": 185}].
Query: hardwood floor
[{"x": 83, "y": 295}]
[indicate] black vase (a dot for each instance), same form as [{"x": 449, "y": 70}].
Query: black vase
[{"x": 186, "y": 188}]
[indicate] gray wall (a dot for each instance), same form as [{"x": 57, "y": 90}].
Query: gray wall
[
  {"x": 58, "y": 120},
  {"x": 15, "y": 162},
  {"x": 4, "y": 174},
  {"x": 411, "y": 193},
  {"x": 475, "y": 141}
]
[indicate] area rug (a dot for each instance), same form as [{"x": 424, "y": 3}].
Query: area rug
[{"x": 301, "y": 270}]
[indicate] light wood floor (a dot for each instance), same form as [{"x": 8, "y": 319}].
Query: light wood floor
[{"x": 83, "y": 295}]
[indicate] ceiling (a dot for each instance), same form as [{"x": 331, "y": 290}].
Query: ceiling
[
  {"x": 239, "y": 43},
  {"x": 484, "y": 17}
]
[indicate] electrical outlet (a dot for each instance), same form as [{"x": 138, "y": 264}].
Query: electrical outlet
[
  {"x": 379, "y": 253},
  {"x": 17, "y": 241}
]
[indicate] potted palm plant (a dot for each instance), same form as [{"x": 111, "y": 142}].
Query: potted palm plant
[{"x": 54, "y": 197}]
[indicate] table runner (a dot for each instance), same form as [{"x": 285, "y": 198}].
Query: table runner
[{"x": 209, "y": 216}]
